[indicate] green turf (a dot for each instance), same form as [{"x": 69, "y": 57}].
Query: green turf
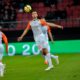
[{"x": 32, "y": 68}]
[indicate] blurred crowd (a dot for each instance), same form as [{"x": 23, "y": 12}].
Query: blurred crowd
[
  {"x": 7, "y": 12},
  {"x": 10, "y": 8}
]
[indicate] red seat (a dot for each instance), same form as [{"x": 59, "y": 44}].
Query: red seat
[
  {"x": 76, "y": 23},
  {"x": 63, "y": 23},
  {"x": 34, "y": 5},
  {"x": 40, "y": 4},
  {"x": 69, "y": 23},
  {"x": 76, "y": 13},
  {"x": 61, "y": 6},
  {"x": 19, "y": 16}
]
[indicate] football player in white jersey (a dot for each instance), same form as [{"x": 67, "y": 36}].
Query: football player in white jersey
[
  {"x": 35, "y": 24},
  {"x": 4, "y": 38}
]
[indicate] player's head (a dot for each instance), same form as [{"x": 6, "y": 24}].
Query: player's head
[{"x": 34, "y": 14}]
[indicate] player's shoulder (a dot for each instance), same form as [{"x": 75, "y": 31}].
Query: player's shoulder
[
  {"x": 42, "y": 19},
  {"x": 29, "y": 21},
  {"x": 1, "y": 32}
]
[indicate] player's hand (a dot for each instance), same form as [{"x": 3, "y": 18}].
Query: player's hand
[
  {"x": 60, "y": 27},
  {"x": 19, "y": 38}
]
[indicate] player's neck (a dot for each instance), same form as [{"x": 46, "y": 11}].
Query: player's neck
[{"x": 35, "y": 19}]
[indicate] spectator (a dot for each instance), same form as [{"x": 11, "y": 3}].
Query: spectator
[
  {"x": 52, "y": 13},
  {"x": 21, "y": 5},
  {"x": 61, "y": 13},
  {"x": 50, "y": 2},
  {"x": 13, "y": 14},
  {"x": 6, "y": 15},
  {"x": 15, "y": 4},
  {"x": 13, "y": 17}
]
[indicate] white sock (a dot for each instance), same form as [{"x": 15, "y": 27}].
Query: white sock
[
  {"x": 53, "y": 56},
  {"x": 45, "y": 58},
  {"x": 1, "y": 69},
  {"x": 48, "y": 57},
  {"x": 1, "y": 64}
]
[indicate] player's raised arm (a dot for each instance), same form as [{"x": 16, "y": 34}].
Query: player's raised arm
[
  {"x": 54, "y": 25},
  {"x": 5, "y": 41},
  {"x": 24, "y": 33},
  {"x": 43, "y": 22}
]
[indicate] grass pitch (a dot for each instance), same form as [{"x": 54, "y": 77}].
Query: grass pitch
[{"x": 32, "y": 68}]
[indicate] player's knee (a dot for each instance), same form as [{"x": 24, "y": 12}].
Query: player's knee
[{"x": 44, "y": 51}]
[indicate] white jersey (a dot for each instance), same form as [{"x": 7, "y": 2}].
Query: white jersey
[
  {"x": 45, "y": 31},
  {"x": 40, "y": 38},
  {"x": 36, "y": 27},
  {"x": 0, "y": 37}
]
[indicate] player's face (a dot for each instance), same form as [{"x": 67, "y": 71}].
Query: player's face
[{"x": 34, "y": 15}]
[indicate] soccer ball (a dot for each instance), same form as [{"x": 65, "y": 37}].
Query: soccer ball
[{"x": 27, "y": 8}]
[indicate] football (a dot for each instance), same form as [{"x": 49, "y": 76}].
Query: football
[{"x": 27, "y": 8}]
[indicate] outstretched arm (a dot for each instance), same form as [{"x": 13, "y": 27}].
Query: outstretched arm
[
  {"x": 54, "y": 25},
  {"x": 24, "y": 33},
  {"x": 5, "y": 41},
  {"x": 43, "y": 22}
]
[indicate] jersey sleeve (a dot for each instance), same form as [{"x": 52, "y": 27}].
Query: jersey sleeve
[
  {"x": 28, "y": 25},
  {"x": 49, "y": 30},
  {"x": 43, "y": 22},
  {"x": 5, "y": 40}
]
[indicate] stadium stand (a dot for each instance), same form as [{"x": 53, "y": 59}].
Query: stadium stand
[{"x": 65, "y": 12}]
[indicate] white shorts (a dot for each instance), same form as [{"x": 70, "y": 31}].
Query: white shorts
[
  {"x": 41, "y": 42},
  {"x": 1, "y": 51}
]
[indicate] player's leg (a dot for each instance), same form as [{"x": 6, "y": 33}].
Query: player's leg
[
  {"x": 42, "y": 45},
  {"x": 45, "y": 61},
  {"x": 52, "y": 56},
  {"x": 56, "y": 58},
  {"x": 1, "y": 64},
  {"x": 48, "y": 48},
  {"x": 46, "y": 54},
  {"x": 48, "y": 57}
]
